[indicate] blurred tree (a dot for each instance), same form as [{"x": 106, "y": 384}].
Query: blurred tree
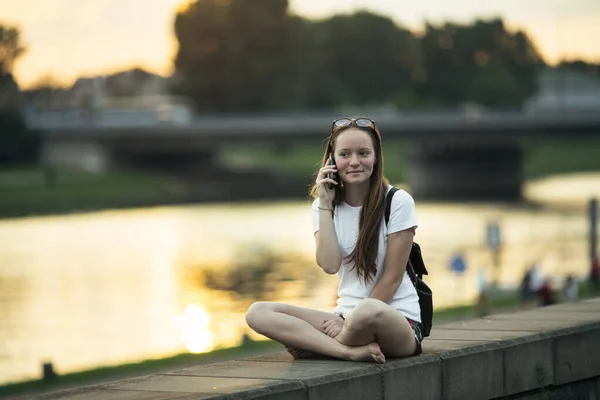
[
  {"x": 9, "y": 91},
  {"x": 10, "y": 50},
  {"x": 581, "y": 66},
  {"x": 359, "y": 59},
  {"x": 43, "y": 92},
  {"x": 252, "y": 55},
  {"x": 18, "y": 145},
  {"x": 237, "y": 55},
  {"x": 482, "y": 63}
]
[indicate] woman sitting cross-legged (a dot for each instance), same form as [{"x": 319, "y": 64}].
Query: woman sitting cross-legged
[{"x": 377, "y": 313}]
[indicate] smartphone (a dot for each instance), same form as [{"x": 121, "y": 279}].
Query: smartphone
[{"x": 332, "y": 175}]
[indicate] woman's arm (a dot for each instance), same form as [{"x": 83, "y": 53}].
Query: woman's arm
[
  {"x": 329, "y": 256},
  {"x": 396, "y": 257}
]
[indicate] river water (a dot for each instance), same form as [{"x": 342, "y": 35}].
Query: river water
[{"x": 110, "y": 287}]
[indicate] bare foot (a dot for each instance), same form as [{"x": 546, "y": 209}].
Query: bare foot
[
  {"x": 297, "y": 353},
  {"x": 369, "y": 352}
]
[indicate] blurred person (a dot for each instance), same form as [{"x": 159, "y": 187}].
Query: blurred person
[
  {"x": 595, "y": 275},
  {"x": 536, "y": 281},
  {"x": 377, "y": 313},
  {"x": 482, "y": 301},
  {"x": 526, "y": 295},
  {"x": 571, "y": 288},
  {"x": 546, "y": 293}
]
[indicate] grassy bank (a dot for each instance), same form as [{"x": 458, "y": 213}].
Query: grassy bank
[
  {"x": 501, "y": 302},
  {"x": 32, "y": 191},
  {"x": 304, "y": 160},
  {"x": 542, "y": 158}
]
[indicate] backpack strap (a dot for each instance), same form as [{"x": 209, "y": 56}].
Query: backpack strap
[{"x": 388, "y": 209}]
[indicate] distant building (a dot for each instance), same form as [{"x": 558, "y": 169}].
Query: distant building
[
  {"x": 91, "y": 91},
  {"x": 129, "y": 98}
]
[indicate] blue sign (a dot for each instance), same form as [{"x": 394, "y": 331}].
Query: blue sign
[{"x": 457, "y": 264}]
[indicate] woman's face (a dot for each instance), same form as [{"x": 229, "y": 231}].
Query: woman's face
[{"x": 354, "y": 156}]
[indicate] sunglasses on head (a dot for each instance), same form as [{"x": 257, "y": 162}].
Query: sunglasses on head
[{"x": 348, "y": 122}]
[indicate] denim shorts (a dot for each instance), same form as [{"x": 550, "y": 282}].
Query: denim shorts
[{"x": 417, "y": 327}]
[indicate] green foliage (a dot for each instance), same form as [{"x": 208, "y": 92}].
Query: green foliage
[
  {"x": 482, "y": 63},
  {"x": 33, "y": 191},
  {"x": 253, "y": 56},
  {"x": 237, "y": 57},
  {"x": 541, "y": 373},
  {"x": 10, "y": 50},
  {"x": 561, "y": 156},
  {"x": 304, "y": 160},
  {"x": 18, "y": 145},
  {"x": 592, "y": 69},
  {"x": 358, "y": 59}
]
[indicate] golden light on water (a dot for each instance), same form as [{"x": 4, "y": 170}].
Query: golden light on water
[
  {"x": 195, "y": 329},
  {"x": 182, "y": 6}
]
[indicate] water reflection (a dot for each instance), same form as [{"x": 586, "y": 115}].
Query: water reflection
[
  {"x": 120, "y": 286},
  {"x": 195, "y": 329}
]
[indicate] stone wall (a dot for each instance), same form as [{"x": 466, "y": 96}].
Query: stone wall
[{"x": 546, "y": 353}]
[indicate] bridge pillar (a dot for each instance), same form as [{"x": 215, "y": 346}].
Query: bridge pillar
[
  {"x": 80, "y": 154},
  {"x": 465, "y": 171}
]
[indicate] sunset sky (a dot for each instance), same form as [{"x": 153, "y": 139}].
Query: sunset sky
[{"x": 66, "y": 39}]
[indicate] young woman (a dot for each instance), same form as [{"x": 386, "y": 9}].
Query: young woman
[{"x": 377, "y": 313}]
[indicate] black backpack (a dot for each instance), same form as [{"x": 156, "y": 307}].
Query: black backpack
[{"x": 416, "y": 269}]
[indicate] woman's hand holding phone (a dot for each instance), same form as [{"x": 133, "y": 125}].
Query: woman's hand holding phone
[
  {"x": 327, "y": 180},
  {"x": 332, "y": 175}
]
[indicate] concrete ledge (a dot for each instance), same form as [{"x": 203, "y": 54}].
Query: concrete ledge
[{"x": 520, "y": 355}]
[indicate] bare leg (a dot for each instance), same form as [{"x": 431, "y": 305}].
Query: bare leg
[
  {"x": 300, "y": 328},
  {"x": 373, "y": 320}
]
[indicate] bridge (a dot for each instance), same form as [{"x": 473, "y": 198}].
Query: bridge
[{"x": 452, "y": 155}]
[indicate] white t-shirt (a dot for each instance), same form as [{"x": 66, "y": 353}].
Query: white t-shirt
[{"x": 352, "y": 289}]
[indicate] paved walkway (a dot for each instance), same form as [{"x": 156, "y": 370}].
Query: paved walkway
[{"x": 490, "y": 357}]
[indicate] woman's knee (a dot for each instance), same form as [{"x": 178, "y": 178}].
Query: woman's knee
[
  {"x": 256, "y": 313},
  {"x": 368, "y": 312}
]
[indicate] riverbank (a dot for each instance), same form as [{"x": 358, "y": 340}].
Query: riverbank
[
  {"x": 503, "y": 301},
  {"x": 541, "y": 158},
  {"x": 30, "y": 191}
]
